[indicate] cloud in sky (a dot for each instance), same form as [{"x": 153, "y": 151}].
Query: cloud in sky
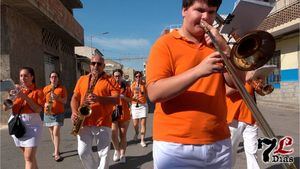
[{"x": 122, "y": 44}]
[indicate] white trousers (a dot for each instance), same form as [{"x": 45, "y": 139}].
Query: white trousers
[
  {"x": 250, "y": 134},
  {"x": 102, "y": 137},
  {"x": 167, "y": 155}
]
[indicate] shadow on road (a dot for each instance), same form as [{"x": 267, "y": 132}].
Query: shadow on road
[
  {"x": 71, "y": 153},
  {"x": 133, "y": 162}
]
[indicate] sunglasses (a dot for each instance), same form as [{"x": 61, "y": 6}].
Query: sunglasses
[
  {"x": 96, "y": 63},
  {"x": 117, "y": 75},
  {"x": 137, "y": 76}
]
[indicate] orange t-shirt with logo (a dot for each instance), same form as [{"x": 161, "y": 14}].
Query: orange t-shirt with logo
[
  {"x": 197, "y": 116},
  {"x": 20, "y": 105},
  {"x": 101, "y": 113},
  {"x": 140, "y": 90},
  {"x": 237, "y": 108},
  {"x": 61, "y": 91}
]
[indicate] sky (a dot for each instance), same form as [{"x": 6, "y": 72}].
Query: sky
[{"x": 123, "y": 29}]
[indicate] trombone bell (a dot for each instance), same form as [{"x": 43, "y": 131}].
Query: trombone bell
[{"x": 253, "y": 50}]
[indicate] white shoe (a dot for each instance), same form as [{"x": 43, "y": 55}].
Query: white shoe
[
  {"x": 143, "y": 144},
  {"x": 116, "y": 156},
  {"x": 122, "y": 159}
]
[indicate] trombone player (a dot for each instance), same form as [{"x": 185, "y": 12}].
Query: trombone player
[
  {"x": 98, "y": 92},
  {"x": 186, "y": 80}
]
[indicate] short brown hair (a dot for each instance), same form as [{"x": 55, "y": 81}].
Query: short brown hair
[{"x": 212, "y": 3}]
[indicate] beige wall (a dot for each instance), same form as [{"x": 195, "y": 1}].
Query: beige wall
[{"x": 289, "y": 47}]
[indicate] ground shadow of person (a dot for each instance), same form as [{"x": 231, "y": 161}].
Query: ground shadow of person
[{"x": 133, "y": 162}]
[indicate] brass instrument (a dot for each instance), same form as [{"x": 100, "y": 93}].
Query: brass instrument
[
  {"x": 51, "y": 100},
  {"x": 250, "y": 59},
  {"x": 84, "y": 109},
  {"x": 260, "y": 87},
  {"x": 12, "y": 96},
  {"x": 253, "y": 50}
]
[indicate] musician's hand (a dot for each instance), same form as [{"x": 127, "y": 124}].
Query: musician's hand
[
  {"x": 211, "y": 64},
  {"x": 257, "y": 84},
  {"x": 122, "y": 96},
  {"x": 54, "y": 96},
  {"x": 92, "y": 98},
  {"x": 74, "y": 116},
  {"x": 218, "y": 37}
]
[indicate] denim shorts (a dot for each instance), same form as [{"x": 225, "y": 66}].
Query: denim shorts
[{"x": 54, "y": 120}]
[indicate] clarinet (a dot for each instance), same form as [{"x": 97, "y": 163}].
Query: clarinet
[{"x": 137, "y": 102}]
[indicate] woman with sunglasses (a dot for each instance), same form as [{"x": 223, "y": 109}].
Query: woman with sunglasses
[
  {"x": 28, "y": 103},
  {"x": 56, "y": 98},
  {"x": 120, "y": 126},
  {"x": 139, "y": 107}
]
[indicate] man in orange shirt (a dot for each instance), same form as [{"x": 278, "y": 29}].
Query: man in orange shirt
[
  {"x": 186, "y": 80},
  {"x": 98, "y": 125}
]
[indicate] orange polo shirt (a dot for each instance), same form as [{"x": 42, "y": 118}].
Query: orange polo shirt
[
  {"x": 237, "y": 109},
  {"x": 125, "y": 107},
  {"x": 61, "y": 91},
  {"x": 140, "y": 91},
  {"x": 197, "y": 116},
  {"x": 101, "y": 113},
  {"x": 34, "y": 94}
]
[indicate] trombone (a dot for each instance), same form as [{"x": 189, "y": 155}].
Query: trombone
[{"x": 249, "y": 53}]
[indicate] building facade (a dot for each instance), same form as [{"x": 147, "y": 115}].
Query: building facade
[
  {"x": 283, "y": 23},
  {"x": 40, "y": 34},
  {"x": 83, "y": 55}
]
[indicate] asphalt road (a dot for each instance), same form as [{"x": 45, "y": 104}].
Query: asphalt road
[{"x": 283, "y": 122}]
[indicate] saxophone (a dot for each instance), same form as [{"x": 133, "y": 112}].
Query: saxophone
[
  {"x": 51, "y": 100},
  {"x": 84, "y": 109}
]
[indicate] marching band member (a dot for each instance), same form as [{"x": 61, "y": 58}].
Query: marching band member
[
  {"x": 56, "y": 98},
  {"x": 186, "y": 79},
  {"x": 240, "y": 119},
  {"x": 120, "y": 126},
  {"x": 28, "y": 103},
  {"x": 97, "y": 126},
  {"x": 139, "y": 107}
]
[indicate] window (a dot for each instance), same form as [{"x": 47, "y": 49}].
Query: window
[
  {"x": 50, "y": 63},
  {"x": 274, "y": 78}
]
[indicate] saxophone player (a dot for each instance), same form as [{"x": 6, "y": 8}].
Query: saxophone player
[
  {"x": 98, "y": 124},
  {"x": 56, "y": 98}
]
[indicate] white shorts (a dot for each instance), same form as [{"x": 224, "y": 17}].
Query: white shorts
[
  {"x": 34, "y": 126},
  {"x": 140, "y": 111}
]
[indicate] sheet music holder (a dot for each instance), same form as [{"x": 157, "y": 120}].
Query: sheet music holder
[{"x": 247, "y": 15}]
